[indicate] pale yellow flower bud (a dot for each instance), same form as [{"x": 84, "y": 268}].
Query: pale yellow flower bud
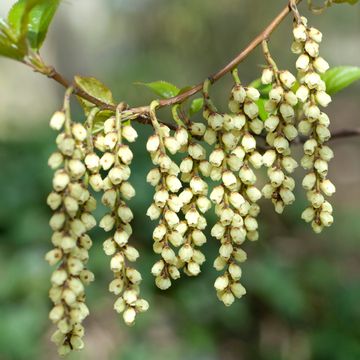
[
  {"x": 271, "y": 123},
  {"x": 323, "y": 98},
  {"x": 129, "y": 133},
  {"x": 327, "y": 187},
  {"x": 302, "y": 63},
  {"x": 221, "y": 283},
  {"x": 57, "y": 120},
  {"x": 312, "y": 48},
  {"x": 315, "y": 34},
  {"x": 267, "y": 76},
  {"x": 251, "y": 109},
  {"x": 287, "y": 79},
  {"x": 129, "y": 316},
  {"x": 162, "y": 283},
  {"x": 321, "y": 65},
  {"x": 299, "y": 33}
]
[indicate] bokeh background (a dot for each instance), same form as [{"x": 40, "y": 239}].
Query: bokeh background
[{"x": 303, "y": 297}]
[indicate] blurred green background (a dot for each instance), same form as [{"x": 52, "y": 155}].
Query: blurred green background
[{"x": 303, "y": 297}]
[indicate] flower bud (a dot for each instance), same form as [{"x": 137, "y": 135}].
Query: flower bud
[
  {"x": 321, "y": 65},
  {"x": 107, "y": 160},
  {"x": 173, "y": 183},
  {"x": 290, "y": 132},
  {"x": 196, "y": 151},
  {"x": 210, "y": 136},
  {"x": 162, "y": 283},
  {"x": 299, "y": 33},
  {"x": 181, "y": 136},
  {"x": 57, "y": 120},
  {"x": 267, "y": 76},
  {"x": 281, "y": 144},
  {"x": 221, "y": 283},
  {"x": 55, "y": 160},
  {"x": 315, "y": 35},
  {"x": 323, "y": 98},
  {"x": 302, "y": 93},
  {"x": 312, "y": 48},
  {"x": 251, "y": 109},
  {"x": 129, "y": 133},
  {"x": 287, "y": 79},
  {"x": 239, "y": 93},
  {"x": 172, "y": 145},
  {"x": 228, "y": 178},
  {"x": 271, "y": 123},
  {"x": 248, "y": 142},
  {"x": 327, "y": 187},
  {"x": 302, "y": 63},
  {"x": 129, "y": 316}
]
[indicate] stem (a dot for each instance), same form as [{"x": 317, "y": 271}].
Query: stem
[
  {"x": 89, "y": 127},
  {"x": 67, "y": 110},
  {"x": 143, "y": 111},
  {"x": 235, "y": 75},
  {"x": 176, "y": 116}
]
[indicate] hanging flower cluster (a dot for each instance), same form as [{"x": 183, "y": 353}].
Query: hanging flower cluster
[
  {"x": 117, "y": 190},
  {"x": 280, "y": 132},
  {"x": 72, "y": 205},
  {"x": 315, "y": 125},
  {"x": 219, "y": 167}
]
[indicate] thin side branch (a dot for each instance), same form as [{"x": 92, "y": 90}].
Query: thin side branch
[
  {"x": 141, "y": 114},
  {"x": 144, "y": 110}
]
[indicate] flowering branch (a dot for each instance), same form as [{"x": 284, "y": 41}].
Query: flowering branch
[{"x": 143, "y": 111}]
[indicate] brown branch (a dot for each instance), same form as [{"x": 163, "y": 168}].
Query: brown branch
[
  {"x": 264, "y": 35},
  {"x": 53, "y": 74},
  {"x": 339, "y": 134},
  {"x": 143, "y": 111},
  {"x": 345, "y": 133}
]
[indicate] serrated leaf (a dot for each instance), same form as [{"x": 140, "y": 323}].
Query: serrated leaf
[
  {"x": 162, "y": 88},
  {"x": 263, "y": 114},
  {"x": 39, "y": 19},
  {"x": 340, "y": 77},
  {"x": 196, "y": 105},
  {"x": 96, "y": 89}
]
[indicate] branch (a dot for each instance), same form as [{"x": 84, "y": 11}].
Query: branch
[
  {"x": 345, "y": 133},
  {"x": 335, "y": 135},
  {"x": 143, "y": 111}
]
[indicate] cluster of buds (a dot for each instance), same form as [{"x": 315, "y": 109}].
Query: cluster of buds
[
  {"x": 72, "y": 205},
  {"x": 312, "y": 94},
  {"x": 168, "y": 234},
  {"x": 117, "y": 190},
  {"x": 236, "y": 197},
  {"x": 181, "y": 199},
  {"x": 280, "y": 132},
  {"x": 195, "y": 202}
]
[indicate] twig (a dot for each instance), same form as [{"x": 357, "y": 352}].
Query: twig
[{"x": 143, "y": 111}]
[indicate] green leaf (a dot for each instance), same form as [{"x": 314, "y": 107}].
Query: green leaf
[
  {"x": 263, "y": 114},
  {"x": 340, "y": 77},
  {"x": 94, "y": 88},
  {"x": 39, "y": 20},
  {"x": 196, "y": 105},
  {"x": 17, "y": 19},
  {"x": 162, "y": 88},
  {"x": 7, "y": 49}
]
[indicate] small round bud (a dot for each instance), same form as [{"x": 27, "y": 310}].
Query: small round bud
[{"x": 57, "y": 120}]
